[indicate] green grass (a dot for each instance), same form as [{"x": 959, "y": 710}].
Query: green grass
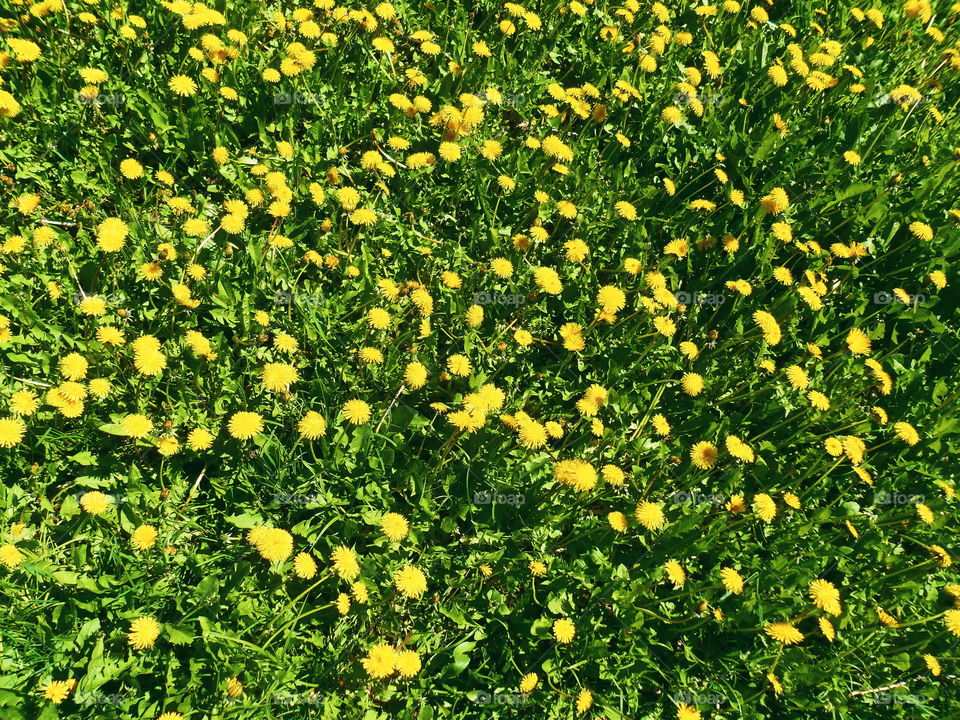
[{"x": 643, "y": 647}]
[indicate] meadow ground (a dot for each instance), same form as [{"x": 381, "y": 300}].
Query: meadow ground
[{"x": 478, "y": 360}]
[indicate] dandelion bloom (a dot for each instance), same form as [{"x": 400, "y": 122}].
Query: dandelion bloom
[
  {"x": 107, "y": 334},
  {"x": 777, "y": 75},
  {"x": 775, "y": 683},
  {"x": 73, "y": 366},
  {"x": 921, "y": 230},
  {"x": 394, "y": 526},
  {"x": 797, "y": 377},
  {"x": 732, "y": 581},
  {"x": 613, "y": 475},
  {"x": 360, "y": 593},
  {"x": 769, "y": 326},
  {"x": 99, "y": 387},
  {"x": 501, "y": 267},
  {"x": 942, "y": 557},
  {"x": 278, "y": 376},
  {"x": 650, "y": 515},
  {"x": 575, "y": 473},
  {"x": 784, "y": 633},
  {"x": 408, "y": 663},
  {"x": 532, "y": 434},
  {"x": 95, "y": 502},
  {"x": 144, "y": 632},
  {"x": 273, "y": 544},
  {"x": 112, "y": 234},
  {"x": 131, "y": 169},
  {"x": 144, "y": 537},
  {"x": 739, "y": 449},
  {"x": 736, "y": 505},
  {"x": 952, "y": 620},
  {"x": 410, "y": 581},
  {"x": 618, "y": 521},
  {"x": 363, "y": 217},
  {"x": 56, "y": 691},
  {"x": 938, "y": 278},
  {"x": 528, "y": 682},
  {"x": 304, "y": 566},
  {"x": 704, "y": 455},
  {"x": 625, "y": 210},
  {"x": 356, "y": 412},
  {"x": 675, "y": 573},
  {"x": 345, "y": 562},
  {"x": 906, "y": 432},
  {"x": 149, "y": 362},
  {"x": 548, "y": 280},
  {"x": 378, "y": 319},
  {"x": 671, "y": 115},
  {"x": 537, "y": 568},
  {"x": 765, "y": 507},
  {"x": 692, "y": 384},
  {"x": 611, "y": 299},
  {"x": 380, "y": 661},
  {"x": 858, "y": 342},
  {"x": 563, "y": 630},
  {"x": 826, "y": 627},
  {"x": 825, "y": 596},
  {"x": 244, "y": 425},
  {"x": 9, "y": 107},
  {"x": 890, "y": 621},
  {"x": 12, "y": 430},
  {"x": 584, "y": 697},
  {"x": 459, "y": 365},
  {"x": 23, "y": 402},
  {"x": 854, "y": 448},
  {"x": 182, "y": 85},
  {"x": 200, "y": 439},
  {"x": 415, "y": 375},
  {"x": 776, "y": 201},
  {"x": 924, "y": 513},
  {"x": 312, "y": 426},
  {"x": 10, "y": 555},
  {"x": 451, "y": 152}
]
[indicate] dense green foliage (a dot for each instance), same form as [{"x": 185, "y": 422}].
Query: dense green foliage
[{"x": 707, "y": 252}]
